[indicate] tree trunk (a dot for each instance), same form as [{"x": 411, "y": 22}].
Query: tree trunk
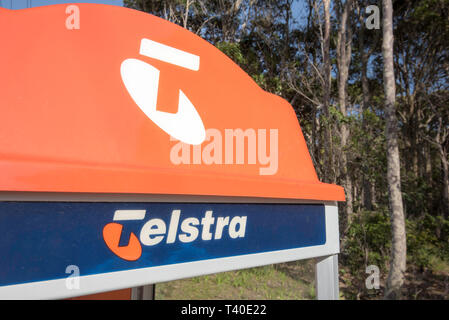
[
  {"x": 399, "y": 247},
  {"x": 328, "y": 148},
  {"x": 367, "y": 185},
  {"x": 343, "y": 61},
  {"x": 445, "y": 167}
]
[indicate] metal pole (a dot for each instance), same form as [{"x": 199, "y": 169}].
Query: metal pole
[
  {"x": 326, "y": 278},
  {"x": 147, "y": 292}
]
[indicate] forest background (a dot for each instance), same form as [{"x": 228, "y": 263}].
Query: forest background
[{"x": 326, "y": 58}]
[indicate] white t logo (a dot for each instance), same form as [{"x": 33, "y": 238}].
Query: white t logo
[{"x": 142, "y": 81}]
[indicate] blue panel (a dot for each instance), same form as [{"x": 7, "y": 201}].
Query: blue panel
[{"x": 40, "y": 239}]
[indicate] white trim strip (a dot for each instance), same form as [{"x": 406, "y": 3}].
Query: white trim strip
[
  {"x": 133, "y": 197},
  {"x": 123, "y": 215},
  {"x": 57, "y": 289},
  {"x": 162, "y": 52}
]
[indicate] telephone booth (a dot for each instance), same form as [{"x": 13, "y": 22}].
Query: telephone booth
[{"x": 134, "y": 152}]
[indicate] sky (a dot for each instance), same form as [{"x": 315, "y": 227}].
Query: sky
[
  {"x": 20, "y": 4},
  {"x": 297, "y": 8}
]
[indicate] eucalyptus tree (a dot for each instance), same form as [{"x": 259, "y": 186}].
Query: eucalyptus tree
[{"x": 396, "y": 274}]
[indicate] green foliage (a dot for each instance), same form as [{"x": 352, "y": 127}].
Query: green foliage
[
  {"x": 424, "y": 243},
  {"x": 338, "y": 116},
  {"x": 368, "y": 241},
  {"x": 416, "y": 194},
  {"x": 233, "y": 51}
]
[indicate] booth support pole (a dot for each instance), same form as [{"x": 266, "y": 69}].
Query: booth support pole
[
  {"x": 143, "y": 292},
  {"x": 326, "y": 278}
]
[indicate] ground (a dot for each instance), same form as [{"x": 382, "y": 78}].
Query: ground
[{"x": 296, "y": 281}]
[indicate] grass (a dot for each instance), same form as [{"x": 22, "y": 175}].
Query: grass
[
  {"x": 438, "y": 265},
  {"x": 296, "y": 281},
  {"x": 286, "y": 281}
]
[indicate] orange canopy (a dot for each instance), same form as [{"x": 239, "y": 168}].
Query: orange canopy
[{"x": 72, "y": 118}]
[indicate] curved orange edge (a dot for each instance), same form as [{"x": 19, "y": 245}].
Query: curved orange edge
[{"x": 22, "y": 176}]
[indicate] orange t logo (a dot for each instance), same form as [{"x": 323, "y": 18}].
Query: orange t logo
[
  {"x": 112, "y": 232},
  {"x": 111, "y": 235}
]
